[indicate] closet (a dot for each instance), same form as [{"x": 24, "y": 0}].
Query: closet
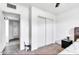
[
  {"x": 42, "y": 30},
  {"x": 49, "y": 31},
  {"x": 45, "y": 31}
]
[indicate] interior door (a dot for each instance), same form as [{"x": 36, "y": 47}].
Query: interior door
[
  {"x": 2, "y": 31},
  {"x": 41, "y": 32}
]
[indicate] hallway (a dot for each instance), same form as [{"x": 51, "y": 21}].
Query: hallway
[{"x": 12, "y": 47}]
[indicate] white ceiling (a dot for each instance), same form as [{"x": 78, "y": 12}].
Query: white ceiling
[{"x": 50, "y": 7}]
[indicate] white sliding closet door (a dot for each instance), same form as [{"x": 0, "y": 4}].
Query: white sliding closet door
[
  {"x": 49, "y": 31},
  {"x": 41, "y": 32},
  {"x": 45, "y": 32}
]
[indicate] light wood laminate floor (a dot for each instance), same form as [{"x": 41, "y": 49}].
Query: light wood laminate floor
[{"x": 13, "y": 49}]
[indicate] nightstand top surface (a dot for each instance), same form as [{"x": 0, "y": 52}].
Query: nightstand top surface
[{"x": 67, "y": 40}]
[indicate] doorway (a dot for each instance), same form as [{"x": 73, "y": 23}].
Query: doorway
[{"x": 12, "y": 31}]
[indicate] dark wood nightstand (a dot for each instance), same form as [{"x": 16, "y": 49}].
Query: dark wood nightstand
[{"x": 65, "y": 43}]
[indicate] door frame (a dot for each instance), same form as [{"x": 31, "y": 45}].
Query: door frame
[
  {"x": 12, "y": 29},
  {"x": 5, "y": 18}
]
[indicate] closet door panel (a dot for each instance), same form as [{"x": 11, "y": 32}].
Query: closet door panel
[
  {"x": 49, "y": 31},
  {"x": 41, "y": 32}
]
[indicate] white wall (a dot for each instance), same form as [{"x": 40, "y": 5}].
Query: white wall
[
  {"x": 38, "y": 28},
  {"x": 65, "y": 24},
  {"x": 23, "y": 11},
  {"x": 7, "y": 30},
  {"x": 2, "y": 32},
  {"x": 24, "y": 24}
]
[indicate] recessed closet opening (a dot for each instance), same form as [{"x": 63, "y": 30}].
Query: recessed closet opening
[{"x": 12, "y": 31}]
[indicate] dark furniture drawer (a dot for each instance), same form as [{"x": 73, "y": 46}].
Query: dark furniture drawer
[{"x": 65, "y": 43}]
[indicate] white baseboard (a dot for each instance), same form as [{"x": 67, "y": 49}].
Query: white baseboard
[{"x": 58, "y": 42}]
